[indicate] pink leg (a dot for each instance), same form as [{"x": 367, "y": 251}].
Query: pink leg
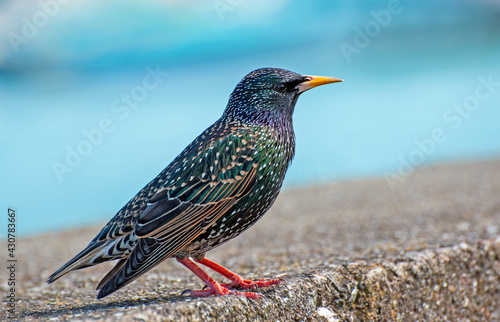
[
  {"x": 237, "y": 280},
  {"x": 214, "y": 287}
]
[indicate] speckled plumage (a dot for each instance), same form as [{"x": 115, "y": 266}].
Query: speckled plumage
[{"x": 221, "y": 184}]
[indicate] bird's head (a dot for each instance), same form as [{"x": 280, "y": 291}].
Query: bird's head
[{"x": 270, "y": 92}]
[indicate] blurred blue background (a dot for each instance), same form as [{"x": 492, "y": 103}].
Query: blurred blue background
[{"x": 96, "y": 98}]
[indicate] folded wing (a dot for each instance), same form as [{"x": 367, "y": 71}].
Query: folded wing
[{"x": 201, "y": 190}]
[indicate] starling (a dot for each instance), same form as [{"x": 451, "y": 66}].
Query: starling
[{"x": 220, "y": 185}]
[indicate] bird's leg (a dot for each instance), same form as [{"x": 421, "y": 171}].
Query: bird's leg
[
  {"x": 237, "y": 280},
  {"x": 214, "y": 287}
]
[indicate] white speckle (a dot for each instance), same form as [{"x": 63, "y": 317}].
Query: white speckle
[
  {"x": 463, "y": 226},
  {"x": 327, "y": 314},
  {"x": 492, "y": 229}
]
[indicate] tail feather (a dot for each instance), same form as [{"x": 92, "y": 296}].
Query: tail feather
[
  {"x": 82, "y": 260},
  {"x": 146, "y": 255},
  {"x": 111, "y": 273}
]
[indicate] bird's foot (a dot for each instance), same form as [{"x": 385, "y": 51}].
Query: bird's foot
[
  {"x": 221, "y": 290},
  {"x": 214, "y": 288},
  {"x": 240, "y": 283},
  {"x": 236, "y": 280}
]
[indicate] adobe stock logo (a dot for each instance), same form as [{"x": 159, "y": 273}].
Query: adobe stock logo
[
  {"x": 223, "y": 6},
  {"x": 363, "y": 37},
  {"x": 122, "y": 108},
  {"x": 453, "y": 117},
  {"x": 31, "y": 26}
]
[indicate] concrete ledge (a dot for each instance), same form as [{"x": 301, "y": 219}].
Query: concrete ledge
[
  {"x": 351, "y": 251},
  {"x": 449, "y": 283}
]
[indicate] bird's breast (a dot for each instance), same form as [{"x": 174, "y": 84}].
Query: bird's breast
[{"x": 271, "y": 156}]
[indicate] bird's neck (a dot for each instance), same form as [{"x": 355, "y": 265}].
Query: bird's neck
[
  {"x": 276, "y": 130},
  {"x": 280, "y": 124}
]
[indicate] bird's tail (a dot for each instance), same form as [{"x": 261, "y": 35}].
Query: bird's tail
[
  {"x": 147, "y": 254},
  {"x": 87, "y": 257}
]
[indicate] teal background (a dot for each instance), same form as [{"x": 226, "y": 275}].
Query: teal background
[{"x": 66, "y": 67}]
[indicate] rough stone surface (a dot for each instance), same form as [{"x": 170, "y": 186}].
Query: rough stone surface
[{"x": 427, "y": 250}]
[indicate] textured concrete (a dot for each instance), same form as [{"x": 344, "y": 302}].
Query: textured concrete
[{"x": 349, "y": 251}]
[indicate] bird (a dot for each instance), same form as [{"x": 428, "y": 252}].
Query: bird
[{"x": 216, "y": 188}]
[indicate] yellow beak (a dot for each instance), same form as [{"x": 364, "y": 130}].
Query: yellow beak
[{"x": 313, "y": 81}]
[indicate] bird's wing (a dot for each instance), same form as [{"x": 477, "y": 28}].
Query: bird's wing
[{"x": 203, "y": 187}]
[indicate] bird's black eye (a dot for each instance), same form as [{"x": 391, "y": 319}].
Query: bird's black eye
[{"x": 280, "y": 87}]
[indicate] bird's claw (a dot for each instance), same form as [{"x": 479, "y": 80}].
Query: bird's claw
[
  {"x": 223, "y": 291},
  {"x": 250, "y": 285},
  {"x": 228, "y": 288}
]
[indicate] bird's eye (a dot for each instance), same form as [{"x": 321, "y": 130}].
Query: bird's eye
[{"x": 280, "y": 87}]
